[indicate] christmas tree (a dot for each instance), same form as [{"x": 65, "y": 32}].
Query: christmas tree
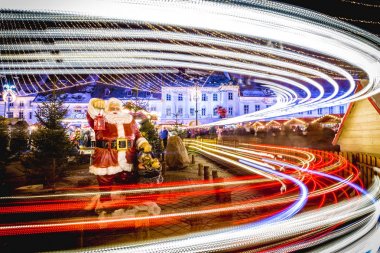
[
  {"x": 19, "y": 137},
  {"x": 4, "y": 153},
  {"x": 50, "y": 142},
  {"x": 148, "y": 131},
  {"x": 4, "y": 139}
]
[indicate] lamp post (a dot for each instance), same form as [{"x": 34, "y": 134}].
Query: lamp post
[
  {"x": 196, "y": 93},
  {"x": 9, "y": 101},
  {"x": 196, "y": 103}
]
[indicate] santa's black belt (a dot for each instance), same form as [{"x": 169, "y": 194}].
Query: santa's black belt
[{"x": 119, "y": 144}]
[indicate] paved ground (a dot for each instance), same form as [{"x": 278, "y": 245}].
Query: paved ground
[{"x": 184, "y": 226}]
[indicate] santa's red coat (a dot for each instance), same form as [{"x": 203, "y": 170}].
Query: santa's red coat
[{"x": 108, "y": 161}]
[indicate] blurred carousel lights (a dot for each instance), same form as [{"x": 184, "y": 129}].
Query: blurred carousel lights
[{"x": 259, "y": 20}]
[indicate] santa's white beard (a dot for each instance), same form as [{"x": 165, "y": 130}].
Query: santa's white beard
[{"x": 118, "y": 117}]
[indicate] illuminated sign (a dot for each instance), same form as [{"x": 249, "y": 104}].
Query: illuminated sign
[{"x": 9, "y": 93}]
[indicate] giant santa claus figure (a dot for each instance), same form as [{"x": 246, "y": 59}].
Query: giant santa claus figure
[{"x": 117, "y": 142}]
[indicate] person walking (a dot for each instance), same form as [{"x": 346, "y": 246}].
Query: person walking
[{"x": 164, "y": 134}]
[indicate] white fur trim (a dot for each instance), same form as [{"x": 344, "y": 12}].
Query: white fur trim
[
  {"x": 121, "y": 155},
  {"x": 120, "y": 131},
  {"x": 105, "y": 171},
  {"x": 122, "y": 160},
  {"x": 109, "y": 170},
  {"x": 140, "y": 141},
  {"x": 124, "y": 118},
  {"x": 91, "y": 109}
]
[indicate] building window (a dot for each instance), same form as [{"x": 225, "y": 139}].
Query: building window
[
  {"x": 168, "y": 111},
  {"x": 215, "y": 97},
  {"x": 30, "y": 103},
  {"x": 180, "y": 97},
  {"x": 230, "y": 96},
  {"x": 21, "y": 115},
  {"x": 168, "y": 97},
  {"x": 320, "y": 111},
  {"x": 21, "y": 104},
  {"x": 215, "y": 111},
  {"x": 192, "y": 111},
  {"x": 180, "y": 111},
  {"x": 246, "y": 109},
  {"x": 257, "y": 108},
  {"x": 300, "y": 113},
  {"x": 153, "y": 109},
  {"x": 267, "y": 106},
  {"x": 107, "y": 92},
  {"x": 129, "y": 93},
  {"x": 30, "y": 115},
  {"x": 204, "y": 97},
  {"x": 341, "y": 109},
  {"x": 148, "y": 94},
  {"x": 331, "y": 110},
  {"x": 10, "y": 115},
  {"x": 310, "y": 112},
  {"x": 11, "y": 105},
  {"x": 77, "y": 110},
  {"x": 230, "y": 110},
  {"x": 203, "y": 111}
]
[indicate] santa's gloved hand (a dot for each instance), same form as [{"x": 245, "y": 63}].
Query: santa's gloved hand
[{"x": 146, "y": 147}]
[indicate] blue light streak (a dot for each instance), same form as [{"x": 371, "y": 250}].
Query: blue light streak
[
  {"x": 338, "y": 179},
  {"x": 291, "y": 210}
]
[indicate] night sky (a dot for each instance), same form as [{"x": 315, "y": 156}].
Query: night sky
[{"x": 360, "y": 10}]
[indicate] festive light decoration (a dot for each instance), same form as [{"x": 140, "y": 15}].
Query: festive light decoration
[
  {"x": 221, "y": 111},
  {"x": 9, "y": 94},
  {"x": 296, "y": 120},
  {"x": 361, "y": 3},
  {"x": 360, "y": 20},
  {"x": 326, "y": 116},
  {"x": 272, "y": 122},
  {"x": 144, "y": 48}
]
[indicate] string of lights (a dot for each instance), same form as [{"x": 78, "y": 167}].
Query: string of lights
[
  {"x": 362, "y": 4},
  {"x": 147, "y": 52},
  {"x": 360, "y": 20}
]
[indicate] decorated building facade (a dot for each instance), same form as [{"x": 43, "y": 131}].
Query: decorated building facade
[{"x": 175, "y": 105}]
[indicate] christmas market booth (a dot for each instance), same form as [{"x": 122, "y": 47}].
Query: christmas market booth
[{"x": 328, "y": 121}]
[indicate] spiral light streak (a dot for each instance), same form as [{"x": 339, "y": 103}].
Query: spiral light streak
[
  {"x": 293, "y": 97},
  {"x": 244, "y": 236},
  {"x": 139, "y": 191},
  {"x": 321, "y": 178},
  {"x": 372, "y": 198},
  {"x": 97, "y": 60},
  {"x": 303, "y": 197},
  {"x": 176, "y": 35}
]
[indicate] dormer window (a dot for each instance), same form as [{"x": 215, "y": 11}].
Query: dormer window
[{"x": 107, "y": 92}]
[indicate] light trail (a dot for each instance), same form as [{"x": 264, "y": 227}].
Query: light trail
[
  {"x": 148, "y": 38},
  {"x": 312, "y": 193},
  {"x": 356, "y": 187},
  {"x": 175, "y": 35}
]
